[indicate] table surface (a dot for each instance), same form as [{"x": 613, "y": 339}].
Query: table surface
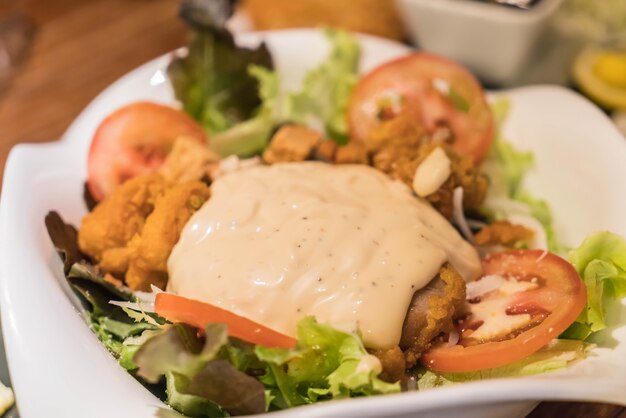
[{"x": 79, "y": 48}]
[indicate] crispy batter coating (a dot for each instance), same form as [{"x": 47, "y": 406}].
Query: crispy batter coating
[
  {"x": 394, "y": 365},
  {"x": 131, "y": 233},
  {"x": 292, "y": 143},
  {"x": 353, "y": 153},
  {"x": 377, "y": 17},
  {"x": 431, "y": 312},
  {"x": 105, "y": 232},
  {"x": 503, "y": 233},
  {"x": 399, "y": 145},
  {"x": 325, "y": 151},
  {"x": 152, "y": 247},
  {"x": 188, "y": 160}
]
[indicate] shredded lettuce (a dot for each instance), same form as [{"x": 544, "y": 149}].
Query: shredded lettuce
[
  {"x": 601, "y": 262},
  {"x": 506, "y": 167},
  {"x": 557, "y": 355}
]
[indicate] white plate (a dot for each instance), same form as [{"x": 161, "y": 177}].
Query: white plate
[{"x": 59, "y": 368}]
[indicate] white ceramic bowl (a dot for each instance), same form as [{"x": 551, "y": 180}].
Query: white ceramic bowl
[
  {"x": 494, "y": 41},
  {"x": 59, "y": 368}
]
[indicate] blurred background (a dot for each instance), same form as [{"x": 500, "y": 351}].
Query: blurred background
[{"x": 57, "y": 55}]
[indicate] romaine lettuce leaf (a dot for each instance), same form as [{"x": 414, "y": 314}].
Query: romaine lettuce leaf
[
  {"x": 557, "y": 355},
  {"x": 601, "y": 262},
  {"x": 326, "y": 363},
  {"x": 326, "y": 89}
]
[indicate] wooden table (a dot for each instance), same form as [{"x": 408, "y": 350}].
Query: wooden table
[{"x": 79, "y": 48}]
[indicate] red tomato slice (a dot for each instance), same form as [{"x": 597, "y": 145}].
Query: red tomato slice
[
  {"x": 420, "y": 80},
  {"x": 134, "y": 140},
  {"x": 199, "y": 314},
  {"x": 557, "y": 300}
]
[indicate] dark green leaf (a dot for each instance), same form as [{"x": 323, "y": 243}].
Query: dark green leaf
[
  {"x": 86, "y": 280},
  {"x": 65, "y": 239},
  {"x": 212, "y": 80},
  {"x": 233, "y": 390}
]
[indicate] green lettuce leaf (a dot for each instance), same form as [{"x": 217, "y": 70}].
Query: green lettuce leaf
[
  {"x": 601, "y": 263},
  {"x": 327, "y": 363},
  {"x": 179, "y": 350},
  {"x": 212, "y": 80},
  {"x": 326, "y": 89},
  {"x": 252, "y": 136},
  {"x": 557, "y": 355},
  {"x": 189, "y": 405},
  {"x": 506, "y": 167}
]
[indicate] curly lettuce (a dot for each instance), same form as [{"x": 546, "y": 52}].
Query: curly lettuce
[{"x": 601, "y": 263}]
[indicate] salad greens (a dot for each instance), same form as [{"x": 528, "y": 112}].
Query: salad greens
[
  {"x": 234, "y": 93},
  {"x": 601, "y": 263},
  {"x": 326, "y": 89},
  {"x": 212, "y": 80},
  {"x": 215, "y": 375},
  {"x": 506, "y": 167}
]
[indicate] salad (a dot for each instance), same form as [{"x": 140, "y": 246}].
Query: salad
[{"x": 412, "y": 148}]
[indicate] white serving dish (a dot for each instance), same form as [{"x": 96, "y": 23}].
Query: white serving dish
[
  {"x": 493, "y": 41},
  {"x": 59, "y": 368}
]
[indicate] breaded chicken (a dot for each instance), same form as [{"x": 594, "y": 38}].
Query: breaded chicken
[
  {"x": 352, "y": 153},
  {"x": 376, "y": 17},
  {"x": 431, "y": 312},
  {"x": 152, "y": 247},
  {"x": 399, "y": 145},
  {"x": 106, "y": 231},
  {"x": 503, "y": 233},
  {"x": 292, "y": 143},
  {"x": 131, "y": 233},
  {"x": 188, "y": 160}
]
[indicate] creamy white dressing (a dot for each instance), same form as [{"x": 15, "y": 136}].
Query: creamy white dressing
[{"x": 341, "y": 242}]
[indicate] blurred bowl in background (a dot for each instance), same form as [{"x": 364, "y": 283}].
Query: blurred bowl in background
[{"x": 496, "y": 42}]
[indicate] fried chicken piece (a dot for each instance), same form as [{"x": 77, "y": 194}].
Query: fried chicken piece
[
  {"x": 292, "y": 143},
  {"x": 393, "y": 363},
  {"x": 431, "y": 312},
  {"x": 325, "y": 151},
  {"x": 376, "y": 17},
  {"x": 105, "y": 232},
  {"x": 352, "y": 153},
  {"x": 131, "y": 233},
  {"x": 399, "y": 145},
  {"x": 188, "y": 160},
  {"x": 152, "y": 247},
  {"x": 503, "y": 233}
]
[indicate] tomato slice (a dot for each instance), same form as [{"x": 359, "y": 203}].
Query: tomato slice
[
  {"x": 135, "y": 140},
  {"x": 555, "y": 302},
  {"x": 443, "y": 92},
  {"x": 199, "y": 314}
]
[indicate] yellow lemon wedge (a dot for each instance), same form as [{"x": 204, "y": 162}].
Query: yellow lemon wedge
[{"x": 601, "y": 75}]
